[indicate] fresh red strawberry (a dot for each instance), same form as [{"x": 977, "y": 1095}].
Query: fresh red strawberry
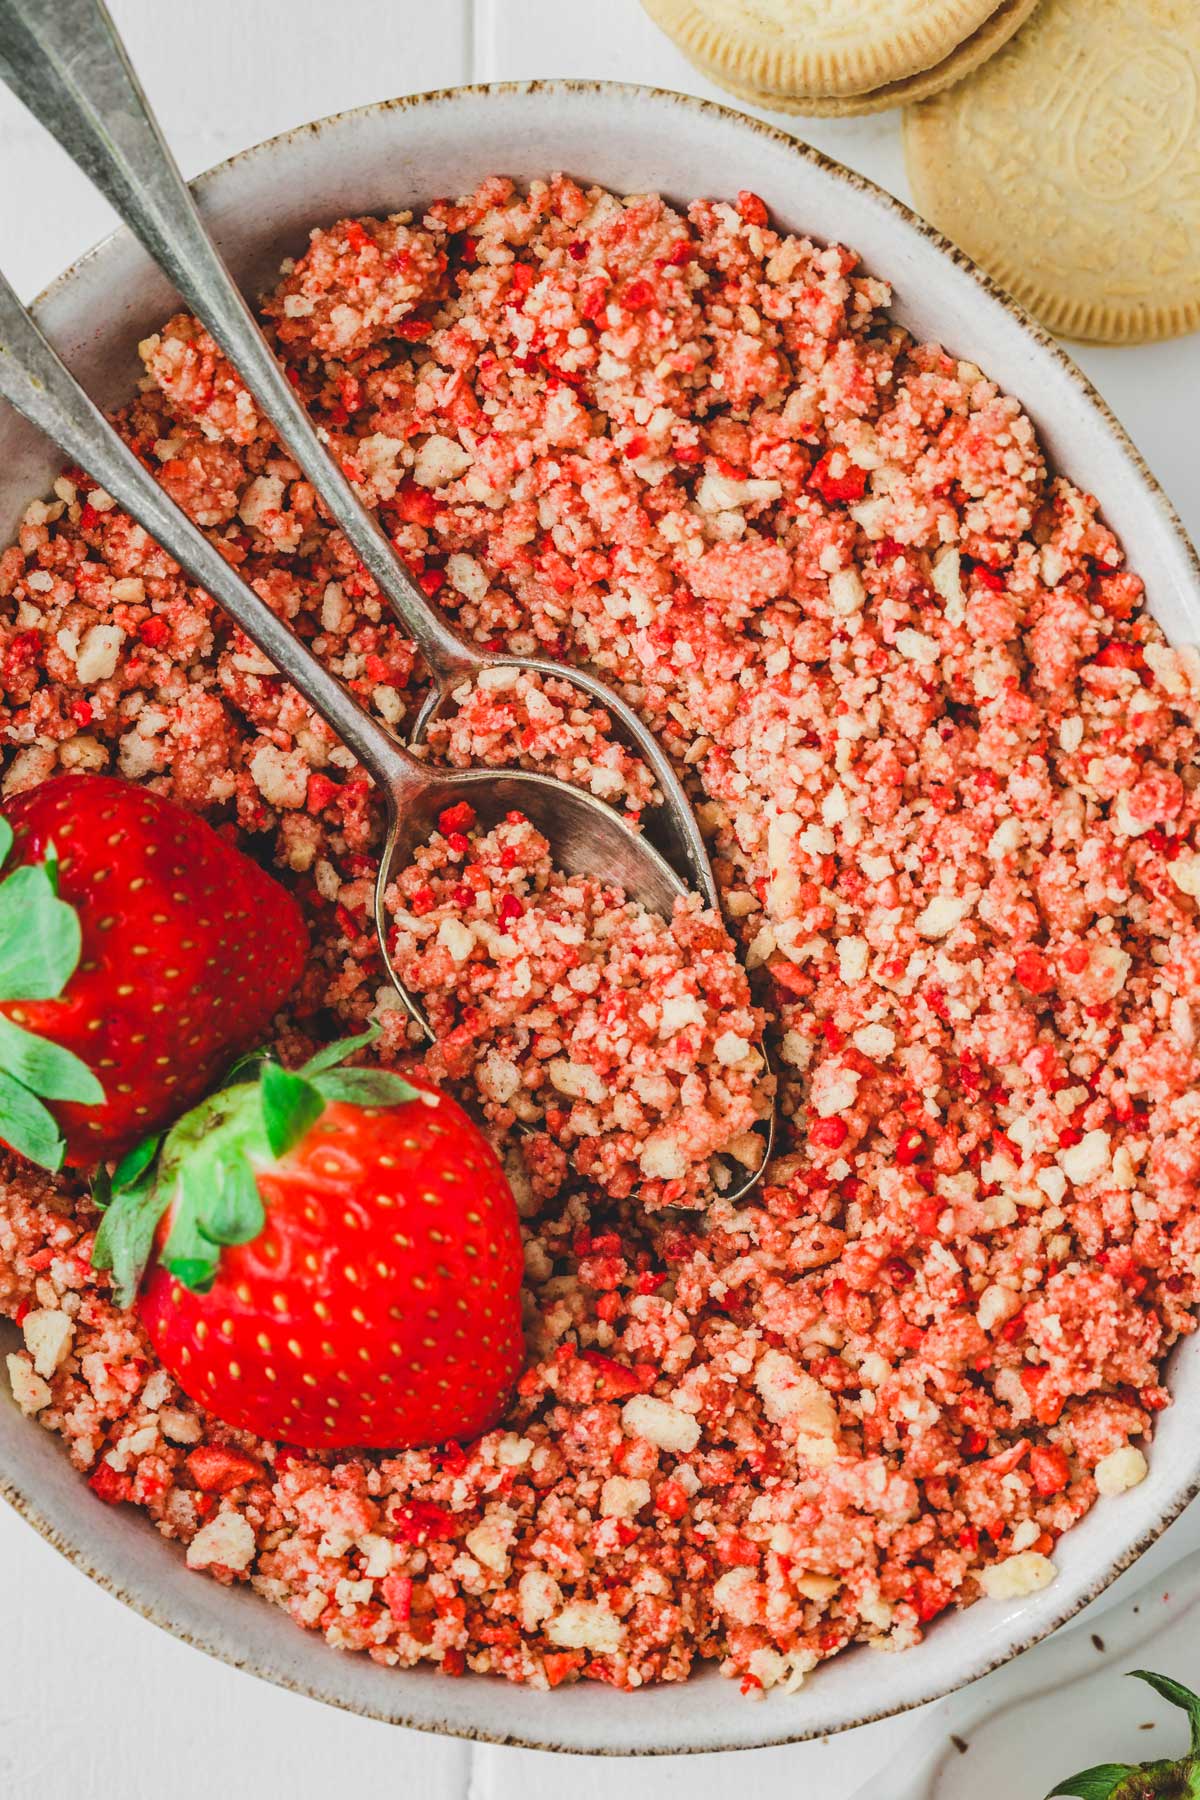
[
  {"x": 139, "y": 955},
  {"x": 339, "y": 1258}
]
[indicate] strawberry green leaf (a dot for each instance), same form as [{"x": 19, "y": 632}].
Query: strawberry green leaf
[
  {"x": 365, "y": 1087},
  {"x": 128, "y": 1173},
  {"x": 134, "y": 1163},
  {"x": 1178, "y": 1695},
  {"x": 337, "y": 1052},
  {"x": 1095, "y": 1784},
  {"x": 26, "y": 1126},
  {"x": 208, "y": 1163},
  {"x": 126, "y": 1235},
  {"x": 246, "y": 1066},
  {"x": 40, "y": 942},
  {"x": 189, "y": 1254},
  {"x": 47, "y": 1068},
  {"x": 290, "y": 1104},
  {"x": 39, "y": 936},
  {"x": 232, "y": 1211}
]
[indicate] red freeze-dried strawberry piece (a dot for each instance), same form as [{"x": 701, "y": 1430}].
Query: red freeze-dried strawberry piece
[
  {"x": 671, "y": 1500},
  {"x": 459, "y": 817},
  {"x": 928, "y": 1596},
  {"x": 559, "y": 1664},
  {"x": 109, "y": 1485},
  {"x": 752, "y": 209},
  {"x": 415, "y": 505},
  {"x": 217, "y": 1468},
  {"x": 1033, "y": 971},
  {"x": 910, "y": 1147},
  {"x": 614, "y": 1380},
  {"x": 1114, "y": 655},
  {"x": 421, "y": 1522},
  {"x": 1046, "y": 1401},
  {"x": 1050, "y": 1469},
  {"x": 836, "y": 478},
  {"x": 397, "y": 1593},
  {"x": 322, "y": 792},
  {"x": 638, "y": 295}
]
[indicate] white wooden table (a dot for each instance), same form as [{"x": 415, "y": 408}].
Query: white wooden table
[{"x": 93, "y": 1702}]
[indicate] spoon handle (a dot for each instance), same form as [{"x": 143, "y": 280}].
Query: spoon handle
[
  {"x": 38, "y": 384},
  {"x": 65, "y": 61}
]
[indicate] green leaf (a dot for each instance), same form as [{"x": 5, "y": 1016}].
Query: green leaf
[
  {"x": 248, "y": 1064},
  {"x": 46, "y": 1068},
  {"x": 290, "y": 1104},
  {"x": 6, "y": 839},
  {"x": 232, "y": 1211},
  {"x": 338, "y": 1051},
  {"x": 39, "y": 936},
  {"x": 134, "y": 1163},
  {"x": 1178, "y": 1695},
  {"x": 26, "y": 1126},
  {"x": 366, "y": 1087},
  {"x": 189, "y": 1254},
  {"x": 1094, "y": 1784},
  {"x": 126, "y": 1235},
  {"x": 206, "y": 1167}
]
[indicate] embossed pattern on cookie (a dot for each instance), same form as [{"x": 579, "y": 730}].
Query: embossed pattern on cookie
[
  {"x": 1069, "y": 168},
  {"x": 818, "y": 47}
]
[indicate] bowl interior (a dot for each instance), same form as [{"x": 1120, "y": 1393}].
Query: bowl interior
[{"x": 261, "y": 206}]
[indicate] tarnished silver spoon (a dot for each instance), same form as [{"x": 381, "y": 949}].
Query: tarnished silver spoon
[
  {"x": 65, "y": 61},
  {"x": 586, "y": 837}
]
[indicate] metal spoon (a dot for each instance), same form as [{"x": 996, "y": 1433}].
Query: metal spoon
[
  {"x": 65, "y": 61},
  {"x": 584, "y": 834}
]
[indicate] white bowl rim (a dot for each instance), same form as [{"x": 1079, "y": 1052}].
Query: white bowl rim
[{"x": 1181, "y": 1490}]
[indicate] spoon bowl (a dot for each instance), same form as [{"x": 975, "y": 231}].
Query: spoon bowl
[
  {"x": 671, "y": 824},
  {"x": 586, "y": 836}
]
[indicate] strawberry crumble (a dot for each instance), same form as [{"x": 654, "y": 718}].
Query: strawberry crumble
[
  {"x": 627, "y": 1040},
  {"x": 506, "y": 716},
  {"x": 946, "y": 765}
]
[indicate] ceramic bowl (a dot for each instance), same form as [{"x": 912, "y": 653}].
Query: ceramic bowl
[{"x": 260, "y": 206}]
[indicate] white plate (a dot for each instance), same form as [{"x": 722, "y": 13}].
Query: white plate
[{"x": 1066, "y": 1705}]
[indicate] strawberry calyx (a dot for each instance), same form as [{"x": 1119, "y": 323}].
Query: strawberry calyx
[
  {"x": 40, "y": 945},
  {"x": 1162, "y": 1780},
  {"x": 204, "y": 1171}
]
